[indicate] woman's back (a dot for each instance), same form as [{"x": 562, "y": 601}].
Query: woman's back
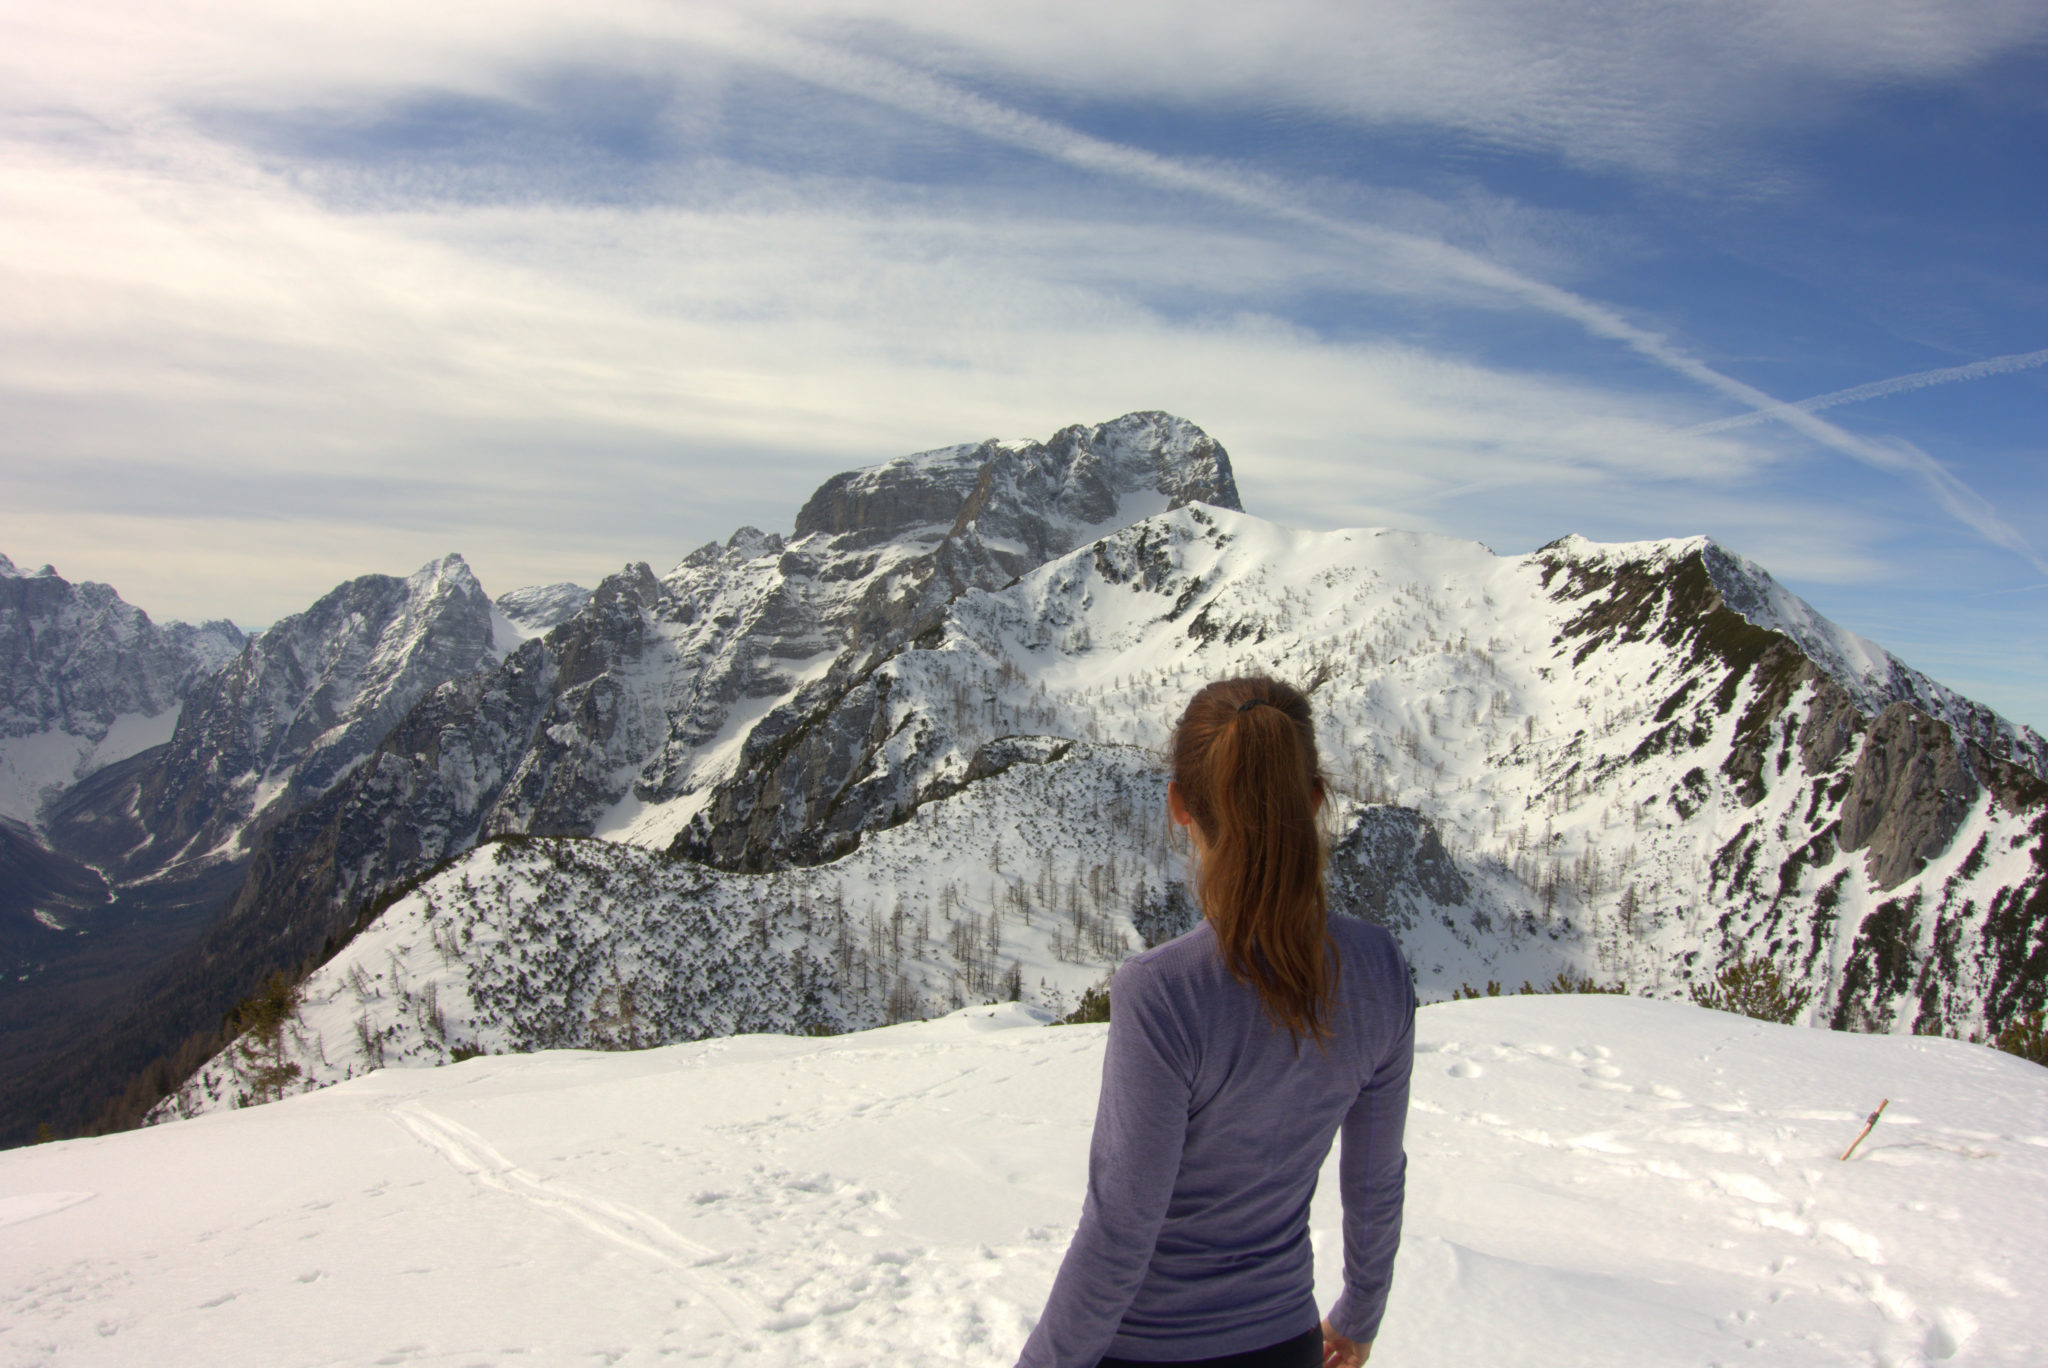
[
  {"x": 1235, "y": 1053},
  {"x": 1211, "y": 1130}
]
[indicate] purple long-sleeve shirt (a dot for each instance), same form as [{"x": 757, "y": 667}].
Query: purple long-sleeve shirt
[{"x": 1209, "y": 1135}]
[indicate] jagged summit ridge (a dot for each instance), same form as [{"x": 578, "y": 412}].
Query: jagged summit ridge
[
  {"x": 1120, "y": 471},
  {"x": 1580, "y": 758},
  {"x": 297, "y": 709},
  {"x": 86, "y": 680},
  {"x": 73, "y": 657},
  {"x": 1871, "y": 678},
  {"x": 641, "y": 708},
  {"x": 626, "y": 717}
]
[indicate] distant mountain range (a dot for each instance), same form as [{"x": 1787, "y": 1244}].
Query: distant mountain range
[{"x": 907, "y": 757}]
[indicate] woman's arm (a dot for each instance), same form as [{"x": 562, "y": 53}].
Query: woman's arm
[
  {"x": 1133, "y": 1159},
  {"x": 1372, "y": 1172}
]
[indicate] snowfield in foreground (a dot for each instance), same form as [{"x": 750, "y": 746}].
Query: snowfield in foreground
[{"x": 1592, "y": 1181}]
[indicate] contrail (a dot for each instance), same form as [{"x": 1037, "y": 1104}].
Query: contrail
[
  {"x": 916, "y": 93},
  {"x": 1878, "y": 389}
]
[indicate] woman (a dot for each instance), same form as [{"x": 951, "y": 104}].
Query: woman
[{"x": 1235, "y": 1054}]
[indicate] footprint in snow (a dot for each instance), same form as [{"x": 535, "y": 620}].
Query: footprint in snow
[
  {"x": 1465, "y": 1068},
  {"x": 1951, "y": 1330}
]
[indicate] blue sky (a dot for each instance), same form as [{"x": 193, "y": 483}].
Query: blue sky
[{"x": 289, "y": 295}]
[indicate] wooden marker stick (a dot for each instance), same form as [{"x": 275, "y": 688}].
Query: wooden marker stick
[{"x": 1867, "y": 1126}]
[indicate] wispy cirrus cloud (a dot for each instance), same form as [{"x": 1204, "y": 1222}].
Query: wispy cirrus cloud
[
  {"x": 1879, "y": 389},
  {"x": 566, "y": 286},
  {"x": 1427, "y": 259}
]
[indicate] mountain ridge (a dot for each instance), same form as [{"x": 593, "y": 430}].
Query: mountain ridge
[
  {"x": 1636, "y": 761},
  {"x": 1593, "y": 690}
]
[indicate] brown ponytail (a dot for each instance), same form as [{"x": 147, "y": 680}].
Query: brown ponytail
[{"x": 1244, "y": 762}]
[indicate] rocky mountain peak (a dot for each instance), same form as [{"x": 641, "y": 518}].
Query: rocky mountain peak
[
  {"x": 1671, "y": 589},
  {"x": 1082, "y": 476},
  {"x": 299, "y": 707},
  {"x": 75, "y": 657}
]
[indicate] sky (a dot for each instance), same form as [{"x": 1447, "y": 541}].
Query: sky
[{"x": 291, "y": 293}]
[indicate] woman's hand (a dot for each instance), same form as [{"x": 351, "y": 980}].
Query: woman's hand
[{"x": 1339, "y": 1352}]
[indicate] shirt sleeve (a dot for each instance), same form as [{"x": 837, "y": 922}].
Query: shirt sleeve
[
  {"x": 1372, "y": 1173},
  {"x": 1140, "y": 1126}
]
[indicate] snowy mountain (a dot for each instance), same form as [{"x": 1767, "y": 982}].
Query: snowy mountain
[
  {"x": 1582, "y": 759},
  {"x": 623, "y": 715},
  {"x": 136, "y": 860},
  {"x": 301, "y": 706},
  {"x": 1591, "y": 1181},
  {"x": 87, "y": 680},
  {"x": 934, "y": 712}
]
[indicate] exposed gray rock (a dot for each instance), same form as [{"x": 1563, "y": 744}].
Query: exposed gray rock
[
  {"x": 420, "y": 798},
  {"x": 299, "y": 707},
  {"x": 73, "y": 657},
  {"x": 995, "y": 756},
  {"x": 1390, "y": 865},
  {"x": 598, "y": 723},
  {"x": 1907, "y": 796},
  {"x": 1870, "y": 675},
  {"x": 885, "y": 551},
  {"x": 1832, "y": 725},
  {"x": 802, "y": 696}
]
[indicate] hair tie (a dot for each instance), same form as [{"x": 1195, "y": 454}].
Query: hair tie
[{"x": 1251, "y": 703}]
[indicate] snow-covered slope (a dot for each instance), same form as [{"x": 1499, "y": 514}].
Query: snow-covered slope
[
  {"x": 1592, "y": 1181},
  {"x": 626, "y": 718},
  {"x": 1621, "y": 765},
  {"x": 327, "y": 778},
  {"x": 1637, "y": 762},
  {"x": 537, "y": 608},
  {"x": 1573, "y": 760},
  {"x": 1037, "y": 880}
]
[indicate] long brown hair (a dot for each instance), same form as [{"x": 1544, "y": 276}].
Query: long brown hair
[{"x": 1245, "y": 764}]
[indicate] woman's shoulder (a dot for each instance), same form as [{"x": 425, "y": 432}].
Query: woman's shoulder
[
  {"x": 1369, "y": 946},
  {"x": 1357, "y": 932}
]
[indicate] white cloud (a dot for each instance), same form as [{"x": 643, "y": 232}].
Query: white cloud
[
  {"x": 1616, "y": 83},
  {"x": 181, "y": 328},
  {"x": 175, "y": 308},
  {"x": 1879, "y": 389}
]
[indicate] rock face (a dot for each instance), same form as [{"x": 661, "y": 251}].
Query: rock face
[
  {"x": 1391, "y": 867},
  {"x": 74, "y": 657},
  {"x": 299, "y": 707},
  {"x": 632, "y": 708},
  {"x": 674, "y": 691},
  {"x": 1908, "y": 794},
  {"x": 138, "y": 859},
  {"x": 965, "y": 518},
  {"x": 84, "y": 677}
]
